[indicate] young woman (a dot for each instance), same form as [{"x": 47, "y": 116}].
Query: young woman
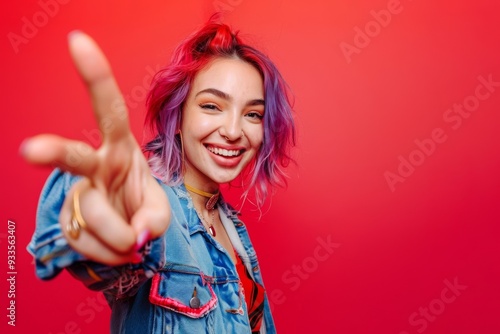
[{"x": 156, "y": 237}]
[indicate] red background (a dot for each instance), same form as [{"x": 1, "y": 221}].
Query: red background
[{"x": 395, "y": 248}]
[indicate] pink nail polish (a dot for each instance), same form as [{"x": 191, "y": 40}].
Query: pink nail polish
[
  {"x": 137, "y": 258},
  {"x": 142, "y": 239}
]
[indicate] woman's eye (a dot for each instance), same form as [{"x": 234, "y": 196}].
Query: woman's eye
[
  {"x": 209, "y": 106},
  {"x": 255, "y": 115}
]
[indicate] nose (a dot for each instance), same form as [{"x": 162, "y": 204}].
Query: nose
[{"x": 231, "y": 128}]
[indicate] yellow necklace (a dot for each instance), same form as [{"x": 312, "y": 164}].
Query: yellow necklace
[{"x": 212, "y": 198}]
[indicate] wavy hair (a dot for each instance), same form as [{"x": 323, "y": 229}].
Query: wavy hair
[{"x": 170, "y": 88}]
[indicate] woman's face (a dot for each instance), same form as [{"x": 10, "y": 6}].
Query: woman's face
[{"x": 222, "y": 122}]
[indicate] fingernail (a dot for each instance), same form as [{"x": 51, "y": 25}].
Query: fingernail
[
  {"x": 73, "y": 34},
  {"x": 142, "y": 239},
  {"x": 23, "y": 146},
  {"x": 137, "y": 258}
]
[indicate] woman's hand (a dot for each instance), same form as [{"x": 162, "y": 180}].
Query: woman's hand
[{"x": 122, "y": 204}]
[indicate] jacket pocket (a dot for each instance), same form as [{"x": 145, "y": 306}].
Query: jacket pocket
[{"x": 186, "y": 293}]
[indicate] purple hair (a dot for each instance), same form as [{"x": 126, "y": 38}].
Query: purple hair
[{"x": 170, "y": 89}]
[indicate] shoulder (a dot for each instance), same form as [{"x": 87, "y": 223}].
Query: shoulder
[
  {"x": 229, "y": 210},
  {"x": 177, "y": 195}
]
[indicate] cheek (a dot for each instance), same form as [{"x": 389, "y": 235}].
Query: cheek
[
  {"x": 256, "y": 137},
  {"x": 196, "y": 128}
]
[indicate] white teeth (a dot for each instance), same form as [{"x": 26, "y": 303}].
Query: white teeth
[{"x": 224, "y": 152}]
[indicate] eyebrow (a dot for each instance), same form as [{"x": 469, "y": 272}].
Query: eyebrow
[{"x": 227, "y": 97}]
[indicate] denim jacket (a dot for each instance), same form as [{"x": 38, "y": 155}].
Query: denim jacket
[{"x": 154, "y": 296}]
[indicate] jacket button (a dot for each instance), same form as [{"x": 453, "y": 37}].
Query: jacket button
[
  {"x": 194, "y": 302},
  {"x": 255, "y": 269}
]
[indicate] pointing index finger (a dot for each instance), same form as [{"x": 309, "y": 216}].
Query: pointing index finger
[{"x": 108, "y": 103}]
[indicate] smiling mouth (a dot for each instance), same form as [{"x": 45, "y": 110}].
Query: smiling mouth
[{"x": 224, "y": 152}]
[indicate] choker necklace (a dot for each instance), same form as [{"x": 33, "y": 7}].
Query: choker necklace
[
  {"x": 209, "y": 205},
  {"x": 212, "y": 198}
]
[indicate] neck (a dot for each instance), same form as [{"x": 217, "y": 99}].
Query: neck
[{"x": 199, "y": 181}]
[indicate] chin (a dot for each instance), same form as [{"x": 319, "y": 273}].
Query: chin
[{"x": 221, "y": 178}]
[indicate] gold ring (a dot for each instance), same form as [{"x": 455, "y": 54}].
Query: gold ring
[{"x": 77, "y": 222}]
